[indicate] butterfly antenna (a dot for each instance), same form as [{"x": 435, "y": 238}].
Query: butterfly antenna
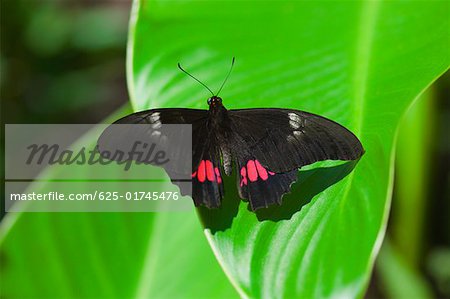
[
  {"x": 226, "y": 78},
  {"x": 179, "y": 66}
]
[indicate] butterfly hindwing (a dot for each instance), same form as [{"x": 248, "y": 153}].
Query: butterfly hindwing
[
  {"x": 261, "y": 186},
  {"x": 207, "y": 183},
  {"x": 284, "y": 139}
]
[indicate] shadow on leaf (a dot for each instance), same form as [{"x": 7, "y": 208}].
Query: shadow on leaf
[
  {"x": 220, "y": 219},
  {"x": 309, "y": 184}
]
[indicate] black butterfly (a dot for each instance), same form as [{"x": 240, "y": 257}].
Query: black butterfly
[{"x": 266, "y": 145}]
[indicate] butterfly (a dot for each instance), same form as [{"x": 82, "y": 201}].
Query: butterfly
[{"x": 266, "y": 146}]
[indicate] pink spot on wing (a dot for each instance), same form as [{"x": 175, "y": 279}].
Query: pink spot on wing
[
  {"x": 219, "y": 178},
  {"x": 201, "y": 171},
  {"x": 194, "y": 174},
  {"x": 252, "y": 172},
  {"x": 210, "y": 171},
  {"x": 244, "y": 176},
  {"x": 261, "y": 171},
  {"x": 271, "y": 173},
  {"x": 243, "y": 172}
]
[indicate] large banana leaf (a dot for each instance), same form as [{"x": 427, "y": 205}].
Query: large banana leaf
[{"x": 359, "y": 63}]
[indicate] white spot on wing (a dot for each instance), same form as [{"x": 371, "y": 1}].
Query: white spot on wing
[
  {"x": 157, "y": 125},
  {"x": 154, "y": 117},
  {"x": 298, "y": 133},
  {"x": 294, "y": 120},
  {"x": 291, "y": 139}
]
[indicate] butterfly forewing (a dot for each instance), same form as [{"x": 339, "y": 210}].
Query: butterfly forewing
[
  {"x": 284, "y": 140},
  {"x": 157, "y": 117}
]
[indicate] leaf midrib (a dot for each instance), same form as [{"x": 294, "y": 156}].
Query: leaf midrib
[{"x": 363, "y": 54}]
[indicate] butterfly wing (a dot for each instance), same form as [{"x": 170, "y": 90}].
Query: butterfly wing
[
  {"x": 269, "y": 145},
  {"x": 207, "y": 186},
  {"x": 163, "y": 116},
  {"x": 261, "y": 186},
  {"x": 285, "y": 139}
]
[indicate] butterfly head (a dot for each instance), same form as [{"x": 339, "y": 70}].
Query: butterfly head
[{"x": 215, "y": 101}]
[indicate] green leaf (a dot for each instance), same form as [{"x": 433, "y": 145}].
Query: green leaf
[
  {"x": 359, "y": 63},
  {"x": 105, "y": 255}
]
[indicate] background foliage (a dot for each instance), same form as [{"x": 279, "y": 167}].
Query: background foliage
[{"x": 332, "y": 61}]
